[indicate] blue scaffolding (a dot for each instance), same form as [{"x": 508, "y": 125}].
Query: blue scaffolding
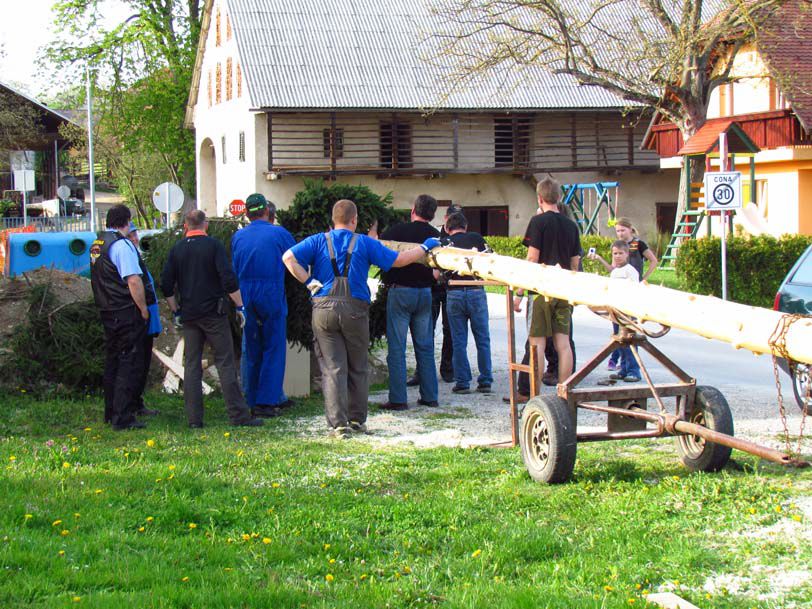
[{"x": 585, "y": 201}]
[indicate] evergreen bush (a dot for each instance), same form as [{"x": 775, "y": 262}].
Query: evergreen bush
[
  {"x": 513, "y": 246},
  {"x": 755, "y": 266}
]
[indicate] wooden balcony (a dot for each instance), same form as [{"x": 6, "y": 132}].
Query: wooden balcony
[
  {"x": 767, "y": 130},
  {"x": 410, "y": 144}
]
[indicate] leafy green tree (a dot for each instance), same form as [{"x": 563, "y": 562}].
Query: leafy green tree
[{"x": 142, "y": 66}]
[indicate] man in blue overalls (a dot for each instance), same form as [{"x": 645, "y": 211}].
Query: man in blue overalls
[
  {"x": 256, "y": 252},
  {"x": 339, "y": 262}
]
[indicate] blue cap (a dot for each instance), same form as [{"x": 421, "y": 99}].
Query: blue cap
[{"x": 133, "y": 227}]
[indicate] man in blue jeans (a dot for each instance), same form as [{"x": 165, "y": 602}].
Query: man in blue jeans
[
  {"x": 408, "y": 307},
  {"x": 468, "y": 304}
]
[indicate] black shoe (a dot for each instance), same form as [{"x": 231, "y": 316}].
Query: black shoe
[
  {"x": 195, "y": 425},
  {"x": 250, "y": 423},
  {"x": 393, "y": 406},
  {"x": 286, "y": 404},
  {"x": 265, "y": 411},
  {"x": 448, "y": 378},
  {"x": 130, "y": 425},
  {"x": 550, "y": 378},
  {"x": 147, "y": 412},
  {"x": 461, "y": 389},
  {"x": 483, "y": 389},
  {"x": 430, "y": 404},
  {"x": 413, "y": 381}
]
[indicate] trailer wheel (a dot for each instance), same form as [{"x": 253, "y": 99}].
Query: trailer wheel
[
  {"x": 710, "y": 410},
  {"x": 548, "y": 439}
]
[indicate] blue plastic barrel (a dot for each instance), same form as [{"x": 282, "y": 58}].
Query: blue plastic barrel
[{"x": 69, "y": 252}]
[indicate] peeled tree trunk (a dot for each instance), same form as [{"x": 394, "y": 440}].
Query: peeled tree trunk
[{"x": 742, "y": 326}]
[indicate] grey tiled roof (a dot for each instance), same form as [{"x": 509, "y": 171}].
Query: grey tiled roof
[{"x": 375, "y": 54}]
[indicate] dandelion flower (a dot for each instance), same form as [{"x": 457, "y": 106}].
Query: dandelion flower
[
  {"x": 407, "y": 569},
  {"x": 12, "y": 458},
  {"x": 275, "y": 485},
  {"x": 332, "y": 561},
  {"x": 632, "y": 601},
  {"x": 28, "y": 516},
  {"x": 476, "y": 553},
  {"x": 141, "y": 529},
  {"x": 88, "y": 429},
  {"x": 171, "y": 468},
  {"x": 98, "y": 491},
  {"x": 61, "y": 552},
  {"x": 778, "y": 508},
  {"x": 608, "y": 588},
  {"x": 64, "y": 532},
  {"x": 56, "y": 523},
  {"x": 246, "y": 537},
  {"x": 329, "y": 577},
  {"x": 184, "y": 579},
  {"x": 65, "y": 465},
  {"x": 326, "y": 546},
  {"x": 363, "y": 576},
  {"x": 192, "y": 525},
  {"x": 227, "y": 434},
  {"x": 77, "y": 599},
  {"x": 77, "y": 515},
  {"x": 796, "y": 517},
  {"x": 150, "y": 518},
  {"x": 150, "y": 442},
  {"x": 266, "y": 540}
]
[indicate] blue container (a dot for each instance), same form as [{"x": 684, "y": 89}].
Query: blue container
[{"x": 69, "y": 252}]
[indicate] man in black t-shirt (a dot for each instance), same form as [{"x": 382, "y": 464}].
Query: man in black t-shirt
[
  {"x": 408, "y": 307},
  {"x": 468, "y": 304},
  {"x": 552, "y": 239},
  {"x": 197, "y": 280}
]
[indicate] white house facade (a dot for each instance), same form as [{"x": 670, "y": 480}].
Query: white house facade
[{"x": 342, "y": 91}]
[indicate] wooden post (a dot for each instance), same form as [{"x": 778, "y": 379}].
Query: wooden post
[{"x": 512, "y": 381}]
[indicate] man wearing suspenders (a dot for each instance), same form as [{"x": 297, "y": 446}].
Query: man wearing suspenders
[{"x": 338, "y": 263}]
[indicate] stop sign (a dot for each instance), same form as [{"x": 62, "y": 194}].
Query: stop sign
[{"x": 237, "y": 207}]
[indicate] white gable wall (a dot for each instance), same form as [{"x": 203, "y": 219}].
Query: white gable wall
[{"x": 233, "y": 178}]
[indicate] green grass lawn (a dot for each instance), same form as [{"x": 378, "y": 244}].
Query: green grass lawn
[{"x": 225, "y": 517}]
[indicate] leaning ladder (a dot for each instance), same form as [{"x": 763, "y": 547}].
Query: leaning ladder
[{"x": 687, "y": 226}]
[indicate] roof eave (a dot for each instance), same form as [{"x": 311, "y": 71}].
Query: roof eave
[{"x": 205, "y": 21}]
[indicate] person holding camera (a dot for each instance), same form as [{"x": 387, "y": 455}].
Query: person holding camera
[{"x": 198, "y": 270}]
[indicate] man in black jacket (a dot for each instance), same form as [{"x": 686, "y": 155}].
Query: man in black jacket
[
  {"x": 198, "y": 266},
  {"x": 118, "y": 289}
]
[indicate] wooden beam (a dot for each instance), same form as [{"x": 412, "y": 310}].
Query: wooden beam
[{"x": 742, "y": 326}]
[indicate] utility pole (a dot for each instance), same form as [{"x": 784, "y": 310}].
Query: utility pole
[{"x": 91, "y": 175}]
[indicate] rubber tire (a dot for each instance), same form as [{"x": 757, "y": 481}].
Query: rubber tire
[
  {"x": 712, "y": 411},
  {"x": 548, "y": 416},
  {"x": 797, "y": 386}
]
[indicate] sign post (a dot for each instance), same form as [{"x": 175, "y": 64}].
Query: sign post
[
  {"x": 236, "y": 207},
  {"x": 167, "y": 198},
  {"x": 723, "y": 192},
  {"x": 24, "y": 181}
]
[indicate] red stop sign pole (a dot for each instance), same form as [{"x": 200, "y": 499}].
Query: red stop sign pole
[{"x": 236, "y": 207}]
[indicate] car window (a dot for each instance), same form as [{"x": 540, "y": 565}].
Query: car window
[{"x": 804, "y": 272}]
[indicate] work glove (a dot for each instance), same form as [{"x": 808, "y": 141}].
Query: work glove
[
  {"x": 241, "y": 317},
  {"x": 176, "y": 320},
  {"x": 314, "y": 285},
  {"x": 430, "y": 243}
]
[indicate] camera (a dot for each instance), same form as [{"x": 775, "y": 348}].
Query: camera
[{"x": 591, "y": 251}]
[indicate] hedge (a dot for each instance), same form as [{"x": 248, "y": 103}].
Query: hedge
[
  {"x": 756, "y": 266},
  {"x": 512, "y": 246}
]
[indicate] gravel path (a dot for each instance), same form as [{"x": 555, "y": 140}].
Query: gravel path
[{"x": 746, "y": 381}]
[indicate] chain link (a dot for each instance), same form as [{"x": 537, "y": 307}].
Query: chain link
[{"x": 778, "y": 346}]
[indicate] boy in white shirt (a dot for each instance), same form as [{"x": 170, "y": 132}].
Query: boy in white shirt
[{"x": 621, "y": 269}]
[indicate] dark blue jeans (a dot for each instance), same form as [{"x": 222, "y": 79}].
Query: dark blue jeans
[
  {"x": 410, "y": 309},
  {"x": 628, "y": 365},
  {"x": 470, "y": 305}
]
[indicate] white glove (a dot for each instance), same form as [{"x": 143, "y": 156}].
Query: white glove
[
  {"x": 241, "y": 317},
  {"x": 314, "y": 285}
]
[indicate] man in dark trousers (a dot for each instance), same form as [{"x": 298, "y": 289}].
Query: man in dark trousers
[
  {"x": 117, "y": 280},
  {"x": 198, "y": 267},
  {"x": 256, "y": 252},
  {"x": 154, "y": 328},
  {"x": 408, "y": 307}
]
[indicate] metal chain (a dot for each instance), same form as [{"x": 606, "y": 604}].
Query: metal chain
[{"x": 778, "y": 347}]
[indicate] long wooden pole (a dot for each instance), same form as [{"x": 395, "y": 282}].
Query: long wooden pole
[{"x": 742, "y": 326}]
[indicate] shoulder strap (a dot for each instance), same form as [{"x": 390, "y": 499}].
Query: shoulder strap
[
  {"x": 332, "y": 251},
  {"x": 350, "y": 249}
]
